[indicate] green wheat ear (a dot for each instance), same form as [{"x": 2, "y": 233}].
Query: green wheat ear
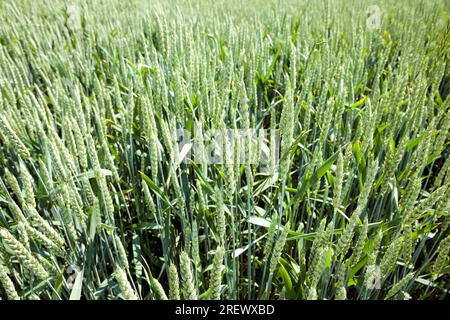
[
  {"x": 24, "y": 255},
  {"x": 121, "y": 252},
  {"x": 174, "y": 283},
  {"x": 442, "y": 258},
  {"x": 158, "y": 289},
  {"x": 187, "y": 284},
  {"x": 216, "y": 274},
  {"x": 8, "y": 285},
  {"x": 278, "y": 248},
  {"x": 125, "y": 286},
  {"x": 341, "y": 293},
  {"x": 28, "y": 184},
  {"x": 15, "y": 187},
  {"x": 396, "y": 288}
]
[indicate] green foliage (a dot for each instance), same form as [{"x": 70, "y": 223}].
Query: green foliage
[{"x": 96, "y": 202}]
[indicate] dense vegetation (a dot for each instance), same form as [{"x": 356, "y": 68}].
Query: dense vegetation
[{"x": 97, "y": 202}]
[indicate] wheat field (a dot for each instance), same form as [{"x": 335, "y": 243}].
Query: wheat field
[{"x": 337, "y": 187}]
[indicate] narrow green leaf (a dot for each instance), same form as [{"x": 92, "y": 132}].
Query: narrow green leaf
[{"x": 75, "y": 294}]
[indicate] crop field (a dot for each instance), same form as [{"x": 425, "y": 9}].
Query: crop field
[{"x": 234, "y": 150}]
